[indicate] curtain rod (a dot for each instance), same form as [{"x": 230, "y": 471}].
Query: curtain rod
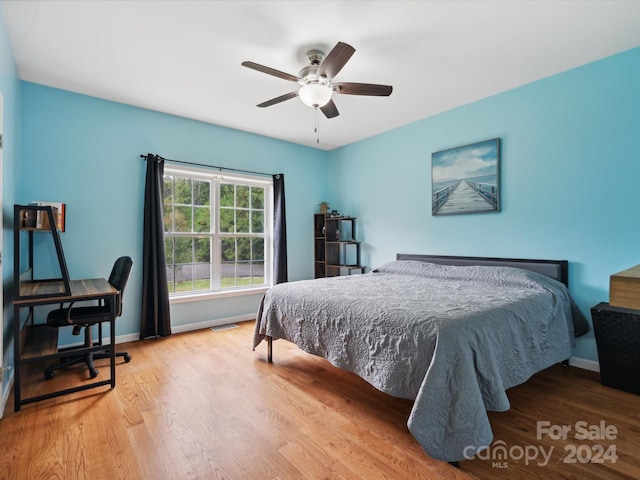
[{"x": 158, "y": 157}]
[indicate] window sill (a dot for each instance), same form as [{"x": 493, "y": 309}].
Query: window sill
[{"x": 198, "y": 297}]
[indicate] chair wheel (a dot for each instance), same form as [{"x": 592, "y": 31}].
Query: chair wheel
[
  {"x": 49, "y": 374},
  {"x": 93, "y": 373},
  {"x": 127, "y": 358}
]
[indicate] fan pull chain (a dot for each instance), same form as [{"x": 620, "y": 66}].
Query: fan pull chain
[{"x": 317, "y": 126}]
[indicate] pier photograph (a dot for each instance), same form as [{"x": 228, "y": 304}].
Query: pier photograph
[{"x": 466, "y": 179}]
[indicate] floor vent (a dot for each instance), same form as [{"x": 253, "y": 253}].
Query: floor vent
[{"x": 222, "y": 328}]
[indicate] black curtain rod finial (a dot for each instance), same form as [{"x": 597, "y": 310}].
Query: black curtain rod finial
[{"x": 152, "y": 156}]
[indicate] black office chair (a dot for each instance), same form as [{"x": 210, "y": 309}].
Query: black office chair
[{"x": 87, "y": 316}]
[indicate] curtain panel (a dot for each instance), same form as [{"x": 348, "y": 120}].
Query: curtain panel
[
  {"x": 156, "y": 317},
  {"x": 280, "y": 274}
]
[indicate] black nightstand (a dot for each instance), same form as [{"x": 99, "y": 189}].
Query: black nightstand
[{"x": 617, "y": 332}]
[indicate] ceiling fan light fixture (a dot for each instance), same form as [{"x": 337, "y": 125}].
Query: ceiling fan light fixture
[{"x": 315, "y": 95}]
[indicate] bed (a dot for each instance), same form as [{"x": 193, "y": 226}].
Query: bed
[{"x": 451, "y": 333}]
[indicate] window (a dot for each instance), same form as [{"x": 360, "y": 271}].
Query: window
[{"x": 217, "y": 232}]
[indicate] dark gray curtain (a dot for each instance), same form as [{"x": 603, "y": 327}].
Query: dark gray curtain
[
  {"x": 155, "y": 319},
  {"x": 279, "y": 231}
]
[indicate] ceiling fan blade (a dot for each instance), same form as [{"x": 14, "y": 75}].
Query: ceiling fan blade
[
  {"x": 281, "y": 98},
  {"x": 348, "y": 88},
  {"x": 330, "y": 110},
  {"x": 270, "y": 71},
  {"x": 335, "y": 60}
]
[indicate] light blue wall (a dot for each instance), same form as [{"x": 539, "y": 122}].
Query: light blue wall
[
  {"x": 10, "y": 90},
  {"x": 570, "y": 176},
  {"x": 86, "y": 152},
  {"x": 570, "y": 170}
]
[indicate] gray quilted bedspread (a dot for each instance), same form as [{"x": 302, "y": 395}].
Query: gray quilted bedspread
[{"x": 451, "y": 338}]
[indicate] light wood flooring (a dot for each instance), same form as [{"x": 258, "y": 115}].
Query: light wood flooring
[{"x": 203, "y": 405}]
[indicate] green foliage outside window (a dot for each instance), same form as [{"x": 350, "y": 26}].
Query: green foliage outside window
[{"x": 190, "y": 233}]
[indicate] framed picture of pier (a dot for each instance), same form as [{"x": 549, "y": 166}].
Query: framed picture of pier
[{"x": 466, "y": 179}]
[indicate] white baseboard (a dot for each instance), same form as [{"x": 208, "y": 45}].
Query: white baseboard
[
  {"x": 584, "y": 364},
  {"x": 5, "y": 394},
  {"x": 134, "y": 337},
  {"x": 212, "y": 323}
]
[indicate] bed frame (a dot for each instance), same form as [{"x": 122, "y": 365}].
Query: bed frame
[{"x": 556, "y": 269}]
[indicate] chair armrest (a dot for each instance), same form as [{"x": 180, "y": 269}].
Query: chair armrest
[{"x": 69, "y": 309}]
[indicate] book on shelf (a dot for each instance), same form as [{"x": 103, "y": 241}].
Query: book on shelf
[{"x": 59, "y": 213}]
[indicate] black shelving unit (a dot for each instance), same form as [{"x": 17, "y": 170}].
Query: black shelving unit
[
  {"x": 30, "y": 220},
  {"x": 336, "y": 250}
]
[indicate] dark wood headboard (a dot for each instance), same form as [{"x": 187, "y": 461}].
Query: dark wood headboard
[{"x": 556, "y": 269}]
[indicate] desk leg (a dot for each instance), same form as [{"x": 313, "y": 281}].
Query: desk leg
[
  {"x": 16, "y": 357},
  {"x": 113, "y": 341}
]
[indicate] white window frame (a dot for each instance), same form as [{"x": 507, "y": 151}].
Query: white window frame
[{"x": 216, "y": 178}]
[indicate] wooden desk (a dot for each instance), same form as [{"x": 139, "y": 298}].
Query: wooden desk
[{"x": 41, "y": 341}]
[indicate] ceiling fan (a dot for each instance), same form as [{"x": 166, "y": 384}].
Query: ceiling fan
[{"x": 316, "y": 80}]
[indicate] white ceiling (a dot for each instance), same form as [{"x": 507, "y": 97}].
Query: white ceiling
[{"x": 183, "y": 57}]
